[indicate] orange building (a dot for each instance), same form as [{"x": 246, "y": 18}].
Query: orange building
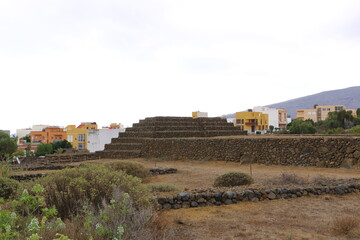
[{"x": 48, "y": 135}]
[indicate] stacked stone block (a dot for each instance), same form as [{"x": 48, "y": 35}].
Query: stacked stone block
[
  {"x": 320, "y": 151},
  {"x": 129, "y": 144},
  {"x": 226, "y": 197}
]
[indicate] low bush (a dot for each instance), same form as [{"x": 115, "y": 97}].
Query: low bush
[
  {"x": 233, "y": 179},
  {"x": 162, "y": 187},
  {"x": 94, "y": 202},
  {"x": 355, "y": 130},
  {"x": 92, "y": 185},
  {"x": 5, "y": 169},
  {"x": 8, "y": 187},
  {"x": 322, "y": 180},
  {"x": 344, "y": 225},
  {"x": 287, "y": 178},
  {"x": 119, "y": 219},
  {"x": 130, "y": 167},
  {"x": 332, "y": 131}
]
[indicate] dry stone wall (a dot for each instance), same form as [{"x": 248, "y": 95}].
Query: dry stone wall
[
  {"x": 299, "y": 151},
  {"x": 226, "y": 197}
]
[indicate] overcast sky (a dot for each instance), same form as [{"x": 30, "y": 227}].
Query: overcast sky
[{"x": 67, "y": 61}]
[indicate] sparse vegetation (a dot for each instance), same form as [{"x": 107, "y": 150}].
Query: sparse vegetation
[
  {"x": 233, "y": 179},
  {"x": 70, "y": 189},
  {"x": 344, "y": 226},
  {"x": 355, "y": 130},
  {"x": 162, "y": 187},
  {"x": 332, "y": 131},
  {"x": 8, "y": 187},
  {"x": 295, "y": 179},
  {"x": 5, "y": 169},
  {"x": 119, "y": 217},
  {"x": 132, "y": 168},
  {"x": 321, "y": 179},
  {"x": 287, "y": 178},
  {"x": 98, "y": 203}
]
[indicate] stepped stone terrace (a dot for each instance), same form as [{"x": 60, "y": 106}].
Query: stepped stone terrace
[{"x": 129, "y": 143}]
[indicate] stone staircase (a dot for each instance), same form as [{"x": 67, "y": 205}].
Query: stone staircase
[{"x": 129, "y": 143}]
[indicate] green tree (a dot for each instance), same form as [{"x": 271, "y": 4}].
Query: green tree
[
  {"x": 299, "y": 126},
  {"x": 271, "y": 127},
  {"x": 358, "y": 112},
  {"x": 44, "y": 148},
  {"x": 7, "y": 146},
  {"x": 315, "y": 105},
  {"x": 344, "y": 118},
  {"x": 26, "y": 138},
  {"x": 61, "y": 144}
]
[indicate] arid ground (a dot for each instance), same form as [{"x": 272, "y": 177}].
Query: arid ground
[{"x": 317, "y": 217}]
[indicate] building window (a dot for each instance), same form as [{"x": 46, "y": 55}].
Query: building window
[
  {"x": 238, "y": 121},
  {"x": 70, "y": 138},
  {"x": 81, "y": 146},
  {"x": 81, "y": 137},
  {"x": 338, "y": 108}
]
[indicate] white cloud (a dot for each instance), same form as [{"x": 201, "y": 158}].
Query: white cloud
[{"x": 63, "y": 62}]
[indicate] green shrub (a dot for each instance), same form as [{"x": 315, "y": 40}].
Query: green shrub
[
  {"x": 5, "y": 169},
  {"x": 8, "y": 187},
  {"x": 130, "y": 167},
  {"x": 332, "y": 131},
  {"x": 162, "y": 187},
  {"x": 233, "y": 179},
  {"x": 355, "y": 129},
  {"x": 299, "y": 126},
  {"x": 71, "y": 189},
  {"x": 44, "y": 148}
]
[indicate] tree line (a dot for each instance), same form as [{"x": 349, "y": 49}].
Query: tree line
[{"x": 337, "y": 122}]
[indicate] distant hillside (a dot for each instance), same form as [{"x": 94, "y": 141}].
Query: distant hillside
[{"x": 350, "y": 97}]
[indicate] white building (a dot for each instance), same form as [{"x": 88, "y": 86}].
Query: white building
[
  {"x": 231, "y": 120},
  {"x": 277, "y": 117},
  {"x": 199, "y": 114},
  {"x": 97, "y": 138}
]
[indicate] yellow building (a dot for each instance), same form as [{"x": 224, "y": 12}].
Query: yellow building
[
  {"x": 114, "y": 126},
  {"x": 77, "y": 136},
  {"x": 199, "y": 114},
  {"x": 252, "y": 121},
  {"x": 320, "y": 113},
  {"x": 305, "y": 114}
]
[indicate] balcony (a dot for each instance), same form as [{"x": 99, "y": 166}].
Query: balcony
[{"x": 251, "y": 124}]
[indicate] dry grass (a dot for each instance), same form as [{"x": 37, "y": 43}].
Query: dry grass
[
  {"x": 201, "y": 174},
  {"x": 287, "y": 178},
  {"x": 296, "y": 219},
  {"x": 162, "y": 187},
  {"x": 345, "y": 226}
]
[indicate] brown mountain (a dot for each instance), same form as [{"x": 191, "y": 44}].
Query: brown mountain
[{"x": 350, "y": 97}]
